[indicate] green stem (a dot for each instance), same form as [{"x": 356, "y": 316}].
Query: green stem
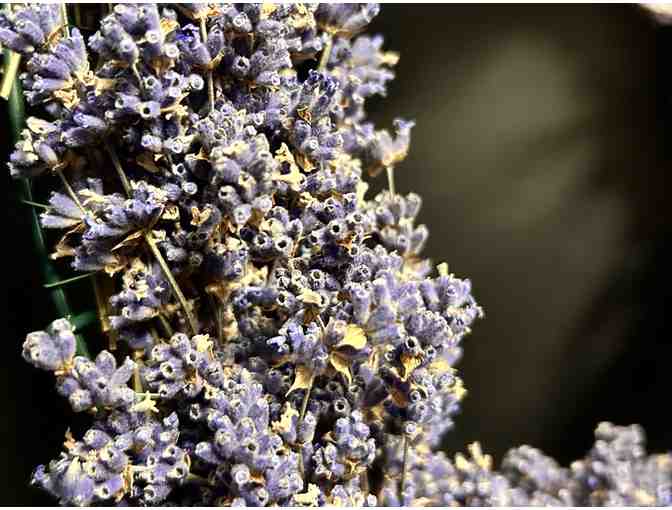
[
  {"x": 68, "y": 280},
  {"x": 211, "y": 84},
  {"x": 173, "y": 283},
  {"x": 167, "y": 328},
  {"x": 71, "y": 191},
  {"x": 138, "y": 77},
  {"x": 390, "y": 179},
  {"x": 120, "y": 171},
  {"x": 37, "y": 204},
  {"x": 404, "y": 468},
  {"x": 326, "y": 53},
  {"x": 12, "y": 61},
  {"x": 102, "y": 288},
  {"x": 304, "y": 406},
  {"x": 306, "y": 397},
  {"x": 83, "y": 320},
  {"x": 217, "y": 311},
  {"x": 193, "y": 478},
  {"x": 64, "y": 19}
]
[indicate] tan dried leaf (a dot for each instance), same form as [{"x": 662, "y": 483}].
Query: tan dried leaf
[
  {"x": 482, "y": 461},
  {"x": 62, "y": 249},
  {"x": 69, "y": 442},
  {"x": 171, "y": 212},
  {"x": 461, "y": 462},
  {"x": 203, "y": 342},
  {"x": 199, "y": 217},
  {"x": 115, "y": 267},
  {"x": 409, "y": 363},
  {"x": 340, "y": 364},
  {"x": 422, "y": 502},
  {"x": 91, "y": 197},
  {"x": 285, "y": 423},
  {"x": 68, "y": 97},
  {"x": 235, "y": 149},
  {"x": 102, "y": 84},
  {"x": 267, "y": 8},
  {"x": 361, "y": 190},
  {"x": 129, "y": 239},
  {"x": 257, "y": 477},
  {"x": 304, "y": 114},
  {"x": 284, "y": 155},
  {"x": 145, "y": 405},
  {"x": 354, "y": 337},
  {"x": 440, "y": 366},
  {"x": 158, "y": 235},
  {"x": 294, "y": 178},
  {"x": 459, "y": 389},
  {"x": 168, "y": 25},
  {"x": 390, "y": 58},
  {"x": 310, "y": 297},
  {"x": 305, "y": 163},
  {"x": 303, "y": 379},
  {"x": 309, "y": 497},
  {"x": 398, "y": 397},
  {"x": 301, "y": 18}
]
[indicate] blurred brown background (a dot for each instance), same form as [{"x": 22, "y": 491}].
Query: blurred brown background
[
  {"x": 541, "y": 155},
  {"x": 540, "y": 151}
]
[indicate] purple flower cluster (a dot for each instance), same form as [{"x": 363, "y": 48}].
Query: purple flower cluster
[
  {"x": 284, "y": 342},
  {"x": 616, "y": 472},
  {"x": 26, "y": 30}
]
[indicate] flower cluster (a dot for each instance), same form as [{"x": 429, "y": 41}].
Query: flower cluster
[
  {"x": 126, "y": 455},
  {"x": 282, "y": 340},
  {"x": 616, "y": 472}
]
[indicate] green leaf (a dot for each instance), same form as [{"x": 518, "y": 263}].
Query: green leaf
[{"x": 84, "y": 319}]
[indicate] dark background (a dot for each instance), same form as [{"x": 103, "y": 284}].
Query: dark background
[{"x": 541, "y": 155}]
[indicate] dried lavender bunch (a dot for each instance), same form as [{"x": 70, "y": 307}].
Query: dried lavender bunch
[{"x": 282, "y": 339}]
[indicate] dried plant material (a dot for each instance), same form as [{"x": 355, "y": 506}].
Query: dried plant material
[
  {"x": 341, "y": 366},
  {"x": 440, "y": 365},
  {"x": 310, "y": 297},
  {"x": 171, "y": 212},
  {"x": 286, "y": 420},
  {"x": 483, "y": 461},
  {"x": 305, "y": 163},
  {"x": 223, "y": 179},
  {"x": 409, "y": 363},
  {"x": 302, "y": 379},
  {"x": 134, "y": 238},
  {"x": 354, "y": 337},
  {"x": 202, "y": 343},
  {"x": 198, "y": 217},
  {"x": 310, "y": 497},
  {"x": 146, "y": 405}
]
